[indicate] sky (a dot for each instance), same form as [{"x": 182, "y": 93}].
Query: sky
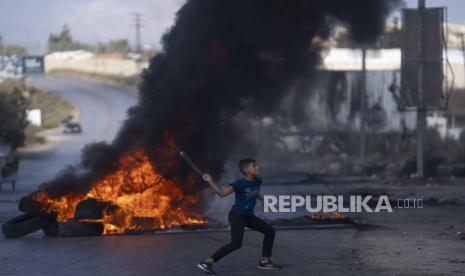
[
  {"x": 29, "y": 22},
  {"x": 455, "y": 8}
]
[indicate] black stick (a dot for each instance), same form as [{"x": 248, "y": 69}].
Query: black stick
[{"x": 191, "y": 163}]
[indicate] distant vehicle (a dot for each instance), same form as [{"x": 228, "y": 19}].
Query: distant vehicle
[{"x": 71, "y": 127}]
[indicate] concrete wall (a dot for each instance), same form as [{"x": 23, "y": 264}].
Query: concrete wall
[
  {"x": 337, "y": 59},
  {"x": 116, "y": 67},
  {"x": 333, "y": 60},
  {"x": 459, "y": 76}
]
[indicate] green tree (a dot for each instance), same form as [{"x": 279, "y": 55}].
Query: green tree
[
  {"x": 60, "y": 42},
  {"x": 119, "y": 45},
  {"x": 12, "y": 115},
  {"x": 15, "y": 50},
  {"x": 102, "y": 47},
  {"x": 64, "y": 42}
]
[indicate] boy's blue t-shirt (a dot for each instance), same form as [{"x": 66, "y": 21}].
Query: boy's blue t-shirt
[{"x": 246, "y": 193}]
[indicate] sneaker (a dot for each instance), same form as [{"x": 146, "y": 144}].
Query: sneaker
[
  {"x": 268, "y": 265},
  {"x": 206, "y": 267}
]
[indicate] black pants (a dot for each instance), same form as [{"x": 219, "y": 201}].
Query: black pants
[{"x": 238, "y": 222}]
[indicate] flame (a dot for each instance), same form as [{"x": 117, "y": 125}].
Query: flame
[
  {"x": 327, "y": 216},
  {"x": 142, "y": 199}
]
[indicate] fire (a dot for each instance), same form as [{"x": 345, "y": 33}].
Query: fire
[
  {"x": 327, "y": 216},
  {"x": 141, "y": 198}
]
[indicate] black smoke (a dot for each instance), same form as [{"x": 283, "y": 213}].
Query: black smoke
[{"x": 220, "y": 58}]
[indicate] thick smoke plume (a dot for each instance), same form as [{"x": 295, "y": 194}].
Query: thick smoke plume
[{"x": 220, "y": 58}]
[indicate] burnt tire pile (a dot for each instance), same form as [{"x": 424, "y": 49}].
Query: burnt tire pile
[{"x": 34, "y": 219}]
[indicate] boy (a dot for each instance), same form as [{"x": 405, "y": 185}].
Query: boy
[{"x": 241, "y": 215}]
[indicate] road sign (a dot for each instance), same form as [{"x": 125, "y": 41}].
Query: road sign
[
  {"x": 33, "y": 65},
  {"x": 422, "y": 46}
]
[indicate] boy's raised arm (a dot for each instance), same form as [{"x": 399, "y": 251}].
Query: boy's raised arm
[{"x": 222, "y": 192}]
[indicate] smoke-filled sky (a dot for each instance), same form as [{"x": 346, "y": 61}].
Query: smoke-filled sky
[{"x": 29, "y": 22}]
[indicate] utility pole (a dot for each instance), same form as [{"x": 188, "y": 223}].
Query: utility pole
[
  {"x": 137, "y": 17},
  {"x": 363, "y": 108},
  {"x": 462, "y": 35},
  {"x": 3, "y": 47},
  {"x": 421, "y": 110}
]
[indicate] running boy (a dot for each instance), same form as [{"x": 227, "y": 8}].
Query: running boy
[{"x": 241, "y": 215}]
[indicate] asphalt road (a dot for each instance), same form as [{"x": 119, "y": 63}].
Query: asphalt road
[
  {"x": 101, "y": 109},
  {"x": 300, "y": 252}
]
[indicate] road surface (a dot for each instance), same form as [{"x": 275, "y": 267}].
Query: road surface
[
  {"x": 102, "y": 109},
  {"x": 301, "y": 252}
]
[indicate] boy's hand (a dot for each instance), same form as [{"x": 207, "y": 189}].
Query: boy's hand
[{"x": 207, "y": 177}]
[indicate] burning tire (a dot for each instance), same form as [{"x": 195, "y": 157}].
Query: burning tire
[
  {"x": 73, "y": 229},
  {"x": 23, "y": 225},
  {"x": 51, "y": 230},
  {"x": 91, "y": 209},
  {"x": 30, "y": 206},
  {"x": 79, "y": 229}
]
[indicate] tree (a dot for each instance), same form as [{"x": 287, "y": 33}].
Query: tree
[
  {"x": 119, "y": 45},
  {"x": 12, "y": 49},
  {"x": 102, "y": 47},
  {"x": 64, "y": 42},
  {"x": 12, "y": 115},
  {"x": 60, "y": 42}
]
